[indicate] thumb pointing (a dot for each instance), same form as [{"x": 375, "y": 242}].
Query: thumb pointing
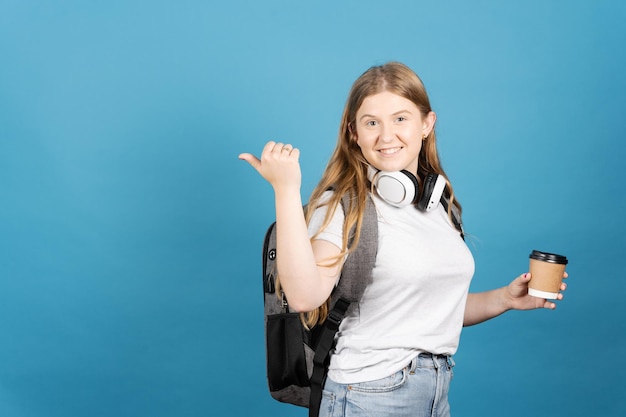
[{"x": 251, "y": 159}]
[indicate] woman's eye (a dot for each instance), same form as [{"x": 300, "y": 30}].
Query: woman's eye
[
  {"x": 372, "y": 123},
  {"x": 401, "y": 119}
]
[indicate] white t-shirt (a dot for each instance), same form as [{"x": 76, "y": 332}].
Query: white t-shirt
[{"x": 416, "y": 301}]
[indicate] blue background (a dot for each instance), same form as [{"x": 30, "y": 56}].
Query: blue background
[{"x": 130, "y": 233}]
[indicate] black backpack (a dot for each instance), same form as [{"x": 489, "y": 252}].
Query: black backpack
[{"x": 298, "y": 358}]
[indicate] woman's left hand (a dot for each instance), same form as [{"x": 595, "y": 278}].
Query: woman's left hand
[{"x": 519, "y": 299}]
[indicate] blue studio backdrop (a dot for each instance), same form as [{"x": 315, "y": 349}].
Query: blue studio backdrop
[{"x": 130, "y": 233}]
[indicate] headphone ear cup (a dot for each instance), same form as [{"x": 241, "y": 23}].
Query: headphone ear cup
[
  {"x": 427, "y": 191},
  {"x": 396, "y": 188},
  {"x": 434, "y": 185}
]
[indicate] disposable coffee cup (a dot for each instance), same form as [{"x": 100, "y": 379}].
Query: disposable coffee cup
[{"x": 546, "y": 274}]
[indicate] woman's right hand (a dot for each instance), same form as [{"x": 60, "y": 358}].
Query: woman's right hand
[
  {"x": 279, "y": 165},
  {"x": 306, "y": 284}
]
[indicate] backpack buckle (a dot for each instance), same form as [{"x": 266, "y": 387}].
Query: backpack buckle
[
  {"x": 283, "y": 301},
  {"x": 337, "y": 313},
  {"x": 334, "y": 319}
]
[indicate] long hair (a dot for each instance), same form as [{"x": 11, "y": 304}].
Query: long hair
[{"x": 346, "y": 172}]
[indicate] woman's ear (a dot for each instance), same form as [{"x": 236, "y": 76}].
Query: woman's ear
[
  {"x": 429, "y": 123},
  {"x": 352, "y": 133}
]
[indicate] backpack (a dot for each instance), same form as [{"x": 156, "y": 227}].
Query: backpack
[{"x": 297, "y": 357}]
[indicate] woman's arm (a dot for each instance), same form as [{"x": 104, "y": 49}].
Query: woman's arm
[
  {"x": 306, "y": 284},
  {"x": 489, "y": 304}
]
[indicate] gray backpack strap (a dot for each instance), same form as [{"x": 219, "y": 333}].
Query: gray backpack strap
[
  {"x": 355, "y": 276},
  {"x": 357, "y": 269}
]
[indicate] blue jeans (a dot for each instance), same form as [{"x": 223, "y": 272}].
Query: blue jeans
[{"x": 418, "y": 390}]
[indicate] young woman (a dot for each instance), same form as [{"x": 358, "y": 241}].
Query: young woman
[{"x": 393, "y": 355}]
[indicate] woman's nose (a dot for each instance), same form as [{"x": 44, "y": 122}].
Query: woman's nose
[{"x": 386, "y": 133}]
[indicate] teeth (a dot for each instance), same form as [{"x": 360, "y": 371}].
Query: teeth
[{"x": 389, "y": 151}]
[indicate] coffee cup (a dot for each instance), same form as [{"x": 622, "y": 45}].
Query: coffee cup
[{"x": 546, "y": 274}]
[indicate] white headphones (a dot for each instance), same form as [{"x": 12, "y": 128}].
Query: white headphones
[{"x": 400, "y": 188}]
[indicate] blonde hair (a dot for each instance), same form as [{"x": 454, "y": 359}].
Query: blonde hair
[{"x": 346, "y": 172}]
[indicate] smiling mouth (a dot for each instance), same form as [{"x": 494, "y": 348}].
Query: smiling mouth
[{"x": 390, "y": 151}]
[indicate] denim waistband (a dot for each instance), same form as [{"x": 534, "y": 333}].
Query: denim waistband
[{"x": 431, "y": 360}]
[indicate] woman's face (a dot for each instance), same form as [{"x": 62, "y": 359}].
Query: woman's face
[{"x": 389, "y": 131}]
